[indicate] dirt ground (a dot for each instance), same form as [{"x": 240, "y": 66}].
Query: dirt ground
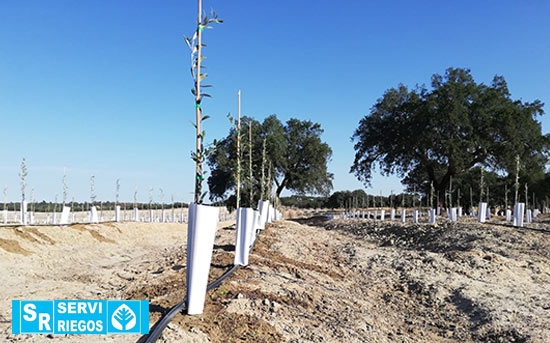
[{"x": 309, "y": 280}]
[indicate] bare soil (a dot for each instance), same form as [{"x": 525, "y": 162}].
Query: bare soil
[{"x": 308, "y": 280}]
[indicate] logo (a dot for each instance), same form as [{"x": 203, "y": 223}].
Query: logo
[
  {"x": 80, "y": 316},
  {"x": 123, "y": 318}
]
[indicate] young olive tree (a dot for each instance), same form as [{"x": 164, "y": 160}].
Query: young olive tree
[
  {"x": 117, "y": 192},
  {"x": 64, "y": 183},
  {"x": 196, "y": 45},
  {"x": 23, "y": 175},
  {"x": 92, "y": 190},
  {"x": 5, "y": 197}
]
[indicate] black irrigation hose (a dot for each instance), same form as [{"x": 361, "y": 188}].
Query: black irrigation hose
[
  {"x": 161, "y": 325},
  {"x": 217, "y": 282}
]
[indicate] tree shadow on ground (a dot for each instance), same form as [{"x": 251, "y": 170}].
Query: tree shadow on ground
[
  {"x": 478, "y": 316},
  {"x": 312, "y": 221},
  {"x": 224, "y": 247}
]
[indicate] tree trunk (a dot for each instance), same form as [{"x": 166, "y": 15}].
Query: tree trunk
[
  {"x": 441, "y": 185},
  {"x": 281, "y": 187}
]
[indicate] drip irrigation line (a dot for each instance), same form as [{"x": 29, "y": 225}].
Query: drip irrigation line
[
  {"x": 163, "y": 323},
  {"x": 217, "y": 282}
]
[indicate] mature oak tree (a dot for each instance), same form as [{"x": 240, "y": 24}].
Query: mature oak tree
[
  {"x": 297, "y": 155},
  {"x": 427, "y": 136}
]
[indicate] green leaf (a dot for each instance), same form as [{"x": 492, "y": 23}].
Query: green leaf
[
  {"x": 205, "y": 117},
  {"x": 202, "y": 76},
  {"x": 188, "y": 42}
]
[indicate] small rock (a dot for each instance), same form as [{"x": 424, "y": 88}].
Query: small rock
[
  {"x": 276, "y": 306},
  {"x": 240, "y": 296}
]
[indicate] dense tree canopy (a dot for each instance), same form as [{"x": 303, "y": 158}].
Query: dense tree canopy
[
  {"x": 297, "y": 156},
  {"x": 430, "y": 136}
]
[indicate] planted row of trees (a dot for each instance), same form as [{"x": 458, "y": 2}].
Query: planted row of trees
[
  {"x": 54, "y": 206},
  {"x": 496, "y": 193},
  {"x": 50, "y": 206}
]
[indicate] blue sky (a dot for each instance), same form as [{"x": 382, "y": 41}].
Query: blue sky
[{"x": 103, "y": 87}]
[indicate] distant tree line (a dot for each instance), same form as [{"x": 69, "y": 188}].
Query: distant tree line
[
  {"x": 351, "y": 199},
  {"x": 465, "y": 193}
]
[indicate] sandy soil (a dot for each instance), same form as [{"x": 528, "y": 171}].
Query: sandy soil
[{"x": 309, "y": 280}]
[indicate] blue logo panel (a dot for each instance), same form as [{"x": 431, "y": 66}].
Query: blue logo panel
[
  {"x": 80, "y": 316},
  {"x": 34, "y": 316}
]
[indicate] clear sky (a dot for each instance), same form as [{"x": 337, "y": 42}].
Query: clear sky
[{"x": 103, "y": 87}]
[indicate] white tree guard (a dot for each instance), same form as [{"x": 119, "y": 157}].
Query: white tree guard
[
  {"x": 519, "y": 213},
  {"x": 117, "y": 213},
  {"x": 263, "y": 207},
  {"x": 508, "y": 215},
  {"x": 201, "y": 231},
  {"x": 482, "y": 212},
  {"x": 94, "y": 219},
  {"x": 453, "y": 214},
  {"x": 415, "y": 216},
  {"x": 65, "y": 215},
  {"x": 23, "y": 213},
  {"x": 246, "y": 218},
  {"x": 432, "y": 216}
]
